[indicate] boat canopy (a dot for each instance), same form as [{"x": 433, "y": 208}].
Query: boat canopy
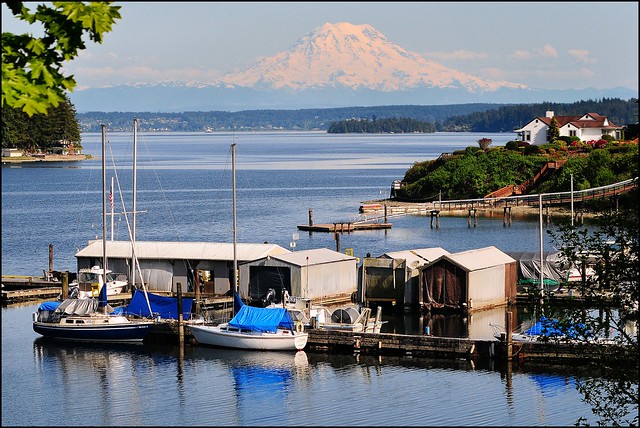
[
  {"x": 262, "y": 319},
  {"x": 165, "y": 307},
  {"x": 77, "y": 307}
]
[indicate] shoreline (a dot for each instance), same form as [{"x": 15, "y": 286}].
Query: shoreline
[{"x": 47, "y": 158}]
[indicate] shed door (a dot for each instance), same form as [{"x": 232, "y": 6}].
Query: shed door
[{"x": 262, "y": 278}]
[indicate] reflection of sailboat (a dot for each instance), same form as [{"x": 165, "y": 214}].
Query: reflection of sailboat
[
  {"x": 251, "y": 327},
  {"x": 81, "y": 319}
]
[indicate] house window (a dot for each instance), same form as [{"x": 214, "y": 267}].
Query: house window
[
  {"x": 573, "y": 133},
  {"x": 527, "y": 136}
]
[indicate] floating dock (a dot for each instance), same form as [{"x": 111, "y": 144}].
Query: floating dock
[{"x": 343, "y": 227}]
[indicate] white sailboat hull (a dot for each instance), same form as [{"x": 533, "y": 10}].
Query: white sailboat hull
[{"x": 228, "y": 337}]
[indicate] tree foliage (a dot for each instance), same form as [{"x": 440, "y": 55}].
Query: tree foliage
[
  {"x": 380, "y": 126},
  {"x": 41, "y": 133},
  {"x": 609, "y": 306},
  {"x": 32, "y": 77},
  {"x": 474, "y": 173}
]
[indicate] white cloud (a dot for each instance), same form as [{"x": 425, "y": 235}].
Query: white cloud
[
  {"x": 582, "y": 56},
  {"x": 457, "y": 55},
  {"x": 547, "y": 51}
]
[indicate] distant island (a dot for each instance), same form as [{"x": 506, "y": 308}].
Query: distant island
[{"x": 393, "y": 125}]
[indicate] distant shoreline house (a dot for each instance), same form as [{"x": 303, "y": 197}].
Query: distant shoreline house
[{"x": 590, "y": 126}]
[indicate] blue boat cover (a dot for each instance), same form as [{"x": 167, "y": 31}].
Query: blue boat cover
[
  {"x": 262, "y": 319},
  {"x": 48, "y": 306},
  {"x": 165, "y": 307},
  {"x": 552, "y": 328}
]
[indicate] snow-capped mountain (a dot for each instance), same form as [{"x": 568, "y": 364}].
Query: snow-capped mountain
[
  {"x": 355, "y": 57},
  {"x": 335, "y": 65}
]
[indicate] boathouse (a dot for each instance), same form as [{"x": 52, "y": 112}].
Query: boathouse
[
  {"x": 394, "y": 276},
  {"x": 469, "y": 280},
  {"x": 318, "y": 274},
  {"x": 164, "y": 264}
]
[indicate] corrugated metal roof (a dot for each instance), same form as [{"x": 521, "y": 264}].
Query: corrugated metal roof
[
  {"x": 480, "y": 258},
  {"x": 315, "y": 257},
  {"x": 420, "y": 256},
  {"x": 182, "y": 250}
]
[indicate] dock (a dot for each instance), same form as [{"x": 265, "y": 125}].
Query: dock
[
  {"x": 416, "y": 346},
  {"x": 343, "y": 227}
]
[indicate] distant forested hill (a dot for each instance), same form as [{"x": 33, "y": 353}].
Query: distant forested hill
[
  {"x": 455, "y": 117},
  {"x": 508, "y": 118}
]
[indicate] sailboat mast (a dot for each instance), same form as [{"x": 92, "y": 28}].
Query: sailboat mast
[
  {"x": 134, "y": 200},
  {"x": 235, "y": 231},
  {"x": 104, "y": 205}
]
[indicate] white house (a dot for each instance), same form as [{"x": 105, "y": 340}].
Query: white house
[
  {"x": 590, "y": 126},
  {"x": 11, "y": 153}
]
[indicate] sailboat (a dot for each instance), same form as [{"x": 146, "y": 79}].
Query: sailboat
[
  {"x": 90, "y": 319},
  {"x": 251, "y": 328}
]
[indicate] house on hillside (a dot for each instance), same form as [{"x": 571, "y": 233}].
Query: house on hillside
[{"x": 590, "y": 126}]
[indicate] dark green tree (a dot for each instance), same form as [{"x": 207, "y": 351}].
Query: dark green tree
[
  {"x": 32, "y": 78},
  {"x": 41, "y": 132},
  {"x": 553, "y": 132}
]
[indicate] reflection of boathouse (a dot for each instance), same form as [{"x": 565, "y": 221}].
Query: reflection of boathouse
[{"x": 164, "y": 264}]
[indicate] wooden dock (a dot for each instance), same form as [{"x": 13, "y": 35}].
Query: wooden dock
[
  {"x": 416, "y": 346},
  {"x": 343, "y": 227}
]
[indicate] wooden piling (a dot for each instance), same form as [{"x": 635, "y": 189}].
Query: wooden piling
[
  {"x": 506, "y": 217},
  {"x": 436, "y": 214},
  {"x": 310, "y": 217},
  {"x": 180, "y": 320},
  {"x": 65, "y": 285}
]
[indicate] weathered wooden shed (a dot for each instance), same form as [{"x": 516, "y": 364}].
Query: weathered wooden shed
[
  {"x": 394, "y": 276},
  {"x": 312, "y": 274},
  {"x": 164, "y": 264},
  {"x": 469, "y": 280}
]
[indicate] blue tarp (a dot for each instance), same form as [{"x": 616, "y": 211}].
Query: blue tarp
[
  {"x": 48, "y": 306},
  {"x": 166, "y": 307},
  {"x": 262, "y": 319},
  {"x": 552, "y": 328}
]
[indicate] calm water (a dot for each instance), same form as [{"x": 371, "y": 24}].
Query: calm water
[{"x": 184, "y": 187}]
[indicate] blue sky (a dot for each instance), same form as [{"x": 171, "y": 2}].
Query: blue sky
[{"x": 547, "y": 45}]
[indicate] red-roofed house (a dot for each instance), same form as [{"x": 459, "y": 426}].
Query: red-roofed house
[{"x": 590, "y": 126}]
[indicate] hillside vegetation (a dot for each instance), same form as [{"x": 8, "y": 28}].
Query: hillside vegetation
[{"x": 474, "y": 172}]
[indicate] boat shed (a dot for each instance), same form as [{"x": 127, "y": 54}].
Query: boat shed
[
  {"x": 317, "y": 274},
  {"x": 394, "y": 276},
  {"x": 208, "y": 265},
  {"x": 469, "y": 280}
]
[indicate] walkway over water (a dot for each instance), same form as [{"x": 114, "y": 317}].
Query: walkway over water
[{"x": 546, "y": 199}]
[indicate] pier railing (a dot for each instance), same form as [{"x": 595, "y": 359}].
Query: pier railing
[{"x": 548, "y": 199}]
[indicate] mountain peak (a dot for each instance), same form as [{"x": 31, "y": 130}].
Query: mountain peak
[{"x": 353, "y": 56}]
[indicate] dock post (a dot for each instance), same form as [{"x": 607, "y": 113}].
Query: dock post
[
  {"x": 51, "y": 258},
  {"x": 336, "y": 236},
  {"x": 506, "y": 215},
  {"x": 180, "y": 321},
  {"x": 310, "y": 217},
  {"x": 508, "y": 323},
  {"x": 65, "y": 285},
  {"x": 475, "y": 219},
  {"x": 385, "y": 213},
  {"x": 436, "y": 214}
]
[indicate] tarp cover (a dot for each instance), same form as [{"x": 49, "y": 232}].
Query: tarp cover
[
  {"x": 48, "y": 306},
  {"x": 77, "y": 306},
  {"x": 553, "y": 328},
  {"x": 262, "y": 319},
  {"x": 529, "y": 267},
  {"x": 165, "y": 307}
]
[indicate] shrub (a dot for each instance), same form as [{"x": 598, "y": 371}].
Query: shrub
[
  {"x": 512, "y": 145},
  {"x": 484, "y": 143},
  {"x": 532, "y": 149}
]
